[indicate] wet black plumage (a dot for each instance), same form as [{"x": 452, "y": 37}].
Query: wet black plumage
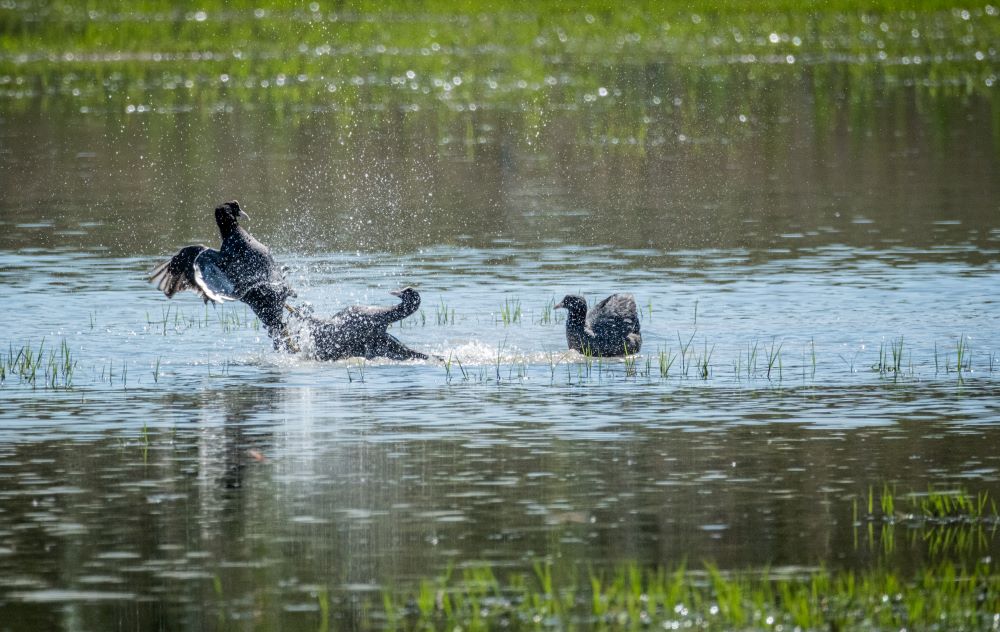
[
  {"x": 611, "y": 328},
  {"x": 360, "y": 331},
  {"x": 242, "y": 269}
]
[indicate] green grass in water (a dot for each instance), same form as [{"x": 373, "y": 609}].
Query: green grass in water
[
  {"x": 943, "y": 596},
  {"x": 38, "y": 366},
  {"x": 934, "y": 506},
  {"x": 626, "y": 59}
]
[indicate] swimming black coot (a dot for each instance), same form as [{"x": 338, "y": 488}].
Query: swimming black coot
[{"x": 611, "y": 328}]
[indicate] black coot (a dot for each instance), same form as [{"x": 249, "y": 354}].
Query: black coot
[
  {"x": 360, "y": 331},
  {"x": 242, "y": 269},
  {"x": 611, "y": 328}
]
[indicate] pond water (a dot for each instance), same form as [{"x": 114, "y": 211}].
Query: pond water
[{"x": 818, "y": 292}]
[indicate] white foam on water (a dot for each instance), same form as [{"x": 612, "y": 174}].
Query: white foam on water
[
  {"x": 469, "y": 353},
  {"x": 477, "y": 353}
]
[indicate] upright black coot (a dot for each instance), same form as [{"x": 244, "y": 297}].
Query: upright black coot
[
  {"x": 611, "y": 328},
  {"x": 360, "y": 331},
  {"x": 242, "y": 269}
]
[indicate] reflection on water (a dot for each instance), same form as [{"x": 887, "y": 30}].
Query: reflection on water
[
  {"x": 270, "y": 491},
  {"x": 114, "y": 184},
  {"x": 812, "y": 243}
]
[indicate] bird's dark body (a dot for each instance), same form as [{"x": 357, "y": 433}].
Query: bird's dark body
[
  {"x": 360, "y": 331},
  {"x": 610, "y": 329},
  {"x": 241, "y": 269},
  {"x": 248, "y": 263},
  {"x": 256, "y": 278}
]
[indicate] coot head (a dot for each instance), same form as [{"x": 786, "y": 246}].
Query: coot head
[
  {"x": 229, "y": 214},
  {"x": 408, "y": 295},
  {"x": 574, "y": 304}
]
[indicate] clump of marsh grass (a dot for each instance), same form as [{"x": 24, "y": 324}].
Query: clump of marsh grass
[
  {"x": 444, "y": 315},
  {"x": 467, "y": 375},
  {"x": 774, "y": 358},
  {"x": 665, "y": 361},
  {"x": 745, "y": 364},
  {"x": 934, "y": 506},
  {"x": 548, "y": 312},
  {"x": 629, "y": 362},
  {"x": 500, "y": 358},
  {"x": 359, "y": 376},
  {"x": 751, "y": 366},
  {"x": 684, "y": 352},
  {"x": 942, "y": 522},
  {"x": 812, "y": 352},
  {"x": 963, "y": 358},
  {"x": 447, "y": 368},
  {"x": 510, "y": 311},
  {"x": 939, "y": 596},
  {"x": 955, "y": 505},
  {"x": 39, "y": 367},
  {"x": 890, "y": 358},
  {"x": 705, "y": 362}
]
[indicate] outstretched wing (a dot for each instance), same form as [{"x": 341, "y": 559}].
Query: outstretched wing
[
  {"x": 614, "y": 318},
  {"x": 177, "y": 273},
  {"x": 194, "y": 268},
  {"x": 211, "y": 279}
]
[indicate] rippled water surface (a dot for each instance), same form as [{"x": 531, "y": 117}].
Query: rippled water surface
[{"x": 813, "y": 244}]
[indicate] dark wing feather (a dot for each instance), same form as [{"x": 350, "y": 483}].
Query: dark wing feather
[
  {"x": 177, "y": 273},
  {"x": 614, "y": 318},
  {"x": 194, "y": 268},
  {"x": 211, "y": 280}
]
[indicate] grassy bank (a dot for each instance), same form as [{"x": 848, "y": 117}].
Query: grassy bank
[
  {"x": 505, "y": 56},
  {"x": 940, "y": 594},
  {"x": 942, "y": 597}
]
